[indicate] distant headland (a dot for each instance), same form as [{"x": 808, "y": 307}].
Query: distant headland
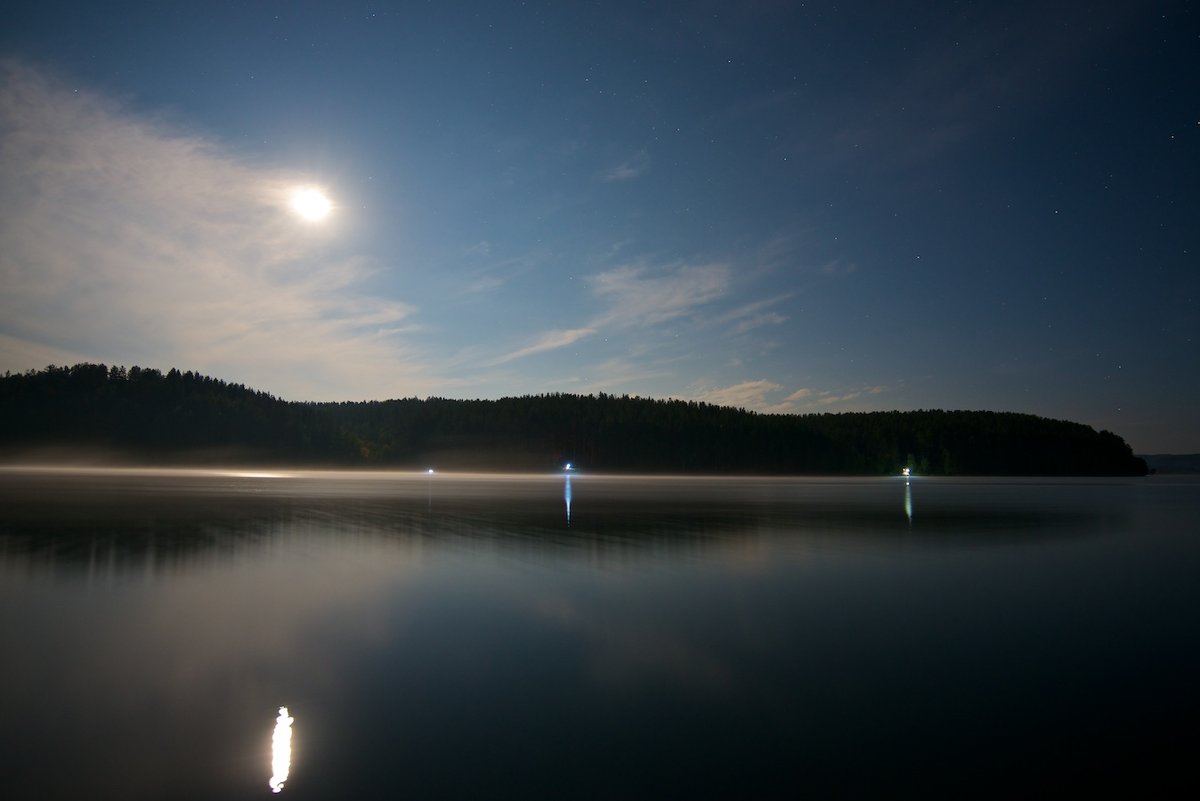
[{"x": 147, "y": 416}]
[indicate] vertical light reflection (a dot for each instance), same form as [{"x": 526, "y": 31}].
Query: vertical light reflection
[
  {"x": 908, "y": 500},
  {"x": 281, "y": 750},
  {"x": 567, "y": 498}
]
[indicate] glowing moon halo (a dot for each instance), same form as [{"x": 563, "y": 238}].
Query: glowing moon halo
[{"x": 311, "y": 204}]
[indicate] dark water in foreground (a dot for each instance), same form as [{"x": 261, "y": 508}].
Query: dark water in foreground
[{"x": 458, "y": 637}]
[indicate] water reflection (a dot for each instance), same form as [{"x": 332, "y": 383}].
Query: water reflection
[
  {"x": 106, "y": 526},
  {"x": 723, "y": 610},
  {"x": 281, "y": 750},
  {"x": 567, "y": 498}
]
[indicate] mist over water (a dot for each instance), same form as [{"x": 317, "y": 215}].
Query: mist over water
[{"x": 591, "y": 637}]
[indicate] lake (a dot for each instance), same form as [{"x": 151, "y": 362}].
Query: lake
[{"x": 590, "y": 637}]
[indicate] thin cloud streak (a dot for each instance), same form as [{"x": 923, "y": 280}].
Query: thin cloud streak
[
  {"x": 753, "y": 309},
  {"x": 755, "y": 396},
  {"x": 628, "y": 170},
  {"x": 132, "y": 242},
  {"x": 746, "y": 395},
  {"x": 639, "y": 298},
  {"x": 754, "y": 315},
  {"x": 551, "y": 340}
]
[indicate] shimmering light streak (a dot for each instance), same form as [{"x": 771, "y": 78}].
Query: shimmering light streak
[
  {"x": 567, "y": 498},
  {"x": 908, "y": 500},
  {"x": 281, "y": 750}
]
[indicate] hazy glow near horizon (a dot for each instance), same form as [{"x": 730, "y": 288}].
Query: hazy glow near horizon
[{"x": 311, "y": 204}]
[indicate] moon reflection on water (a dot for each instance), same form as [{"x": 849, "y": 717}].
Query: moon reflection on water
[{"x": 281, "y": 750}]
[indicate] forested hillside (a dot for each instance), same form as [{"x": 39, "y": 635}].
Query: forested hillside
[
  {"x": 162, "y": 417},
  {"x": 181, "y": 416}
]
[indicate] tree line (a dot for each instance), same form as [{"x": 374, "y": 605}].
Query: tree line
[{"x": 176, "y": 416}]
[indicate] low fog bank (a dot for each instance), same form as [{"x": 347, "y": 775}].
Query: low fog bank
[{"x": 90, "y": 456}]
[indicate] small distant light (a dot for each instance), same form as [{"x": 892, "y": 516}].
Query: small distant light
[
  {"x": 906, "y": 472},
  {"x": 568, "y": 466},
  {"x": 429, "y": 472}
]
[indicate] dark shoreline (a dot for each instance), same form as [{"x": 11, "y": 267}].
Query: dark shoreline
[{"x": 143, "y": 415}]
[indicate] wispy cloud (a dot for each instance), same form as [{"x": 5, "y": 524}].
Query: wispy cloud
[
  {"x": 623, "y": 373},
  {"x": 791, "y": 249},
  {"x": 485, "y": 283},
  {"x": 746, "y": 395},
  {"x": 126, "y": 240},
  {"x": 757, "y": 321},
  {"x": 641, "y": 297},
  {"x": 635, "y": 297},
  {"x": 763, "y": 396},
  {"x": 550, "y": 340},
  {"x": 782, "y": 250},
  {"x": 828, "y": 398},
  {"x": 495, "y": 273},
  {"x": 628, "y": 170},
  {"x": 754, "y": 315},
  {"x": 831, "y": 398}
]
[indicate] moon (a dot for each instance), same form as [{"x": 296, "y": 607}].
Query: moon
[{"x": 311, "y": 204}]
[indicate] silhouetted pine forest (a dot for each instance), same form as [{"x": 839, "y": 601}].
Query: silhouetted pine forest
[{"x": 146, "y": 415}]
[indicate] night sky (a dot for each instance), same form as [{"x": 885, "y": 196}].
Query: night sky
[{"x": 790, "y": 207}]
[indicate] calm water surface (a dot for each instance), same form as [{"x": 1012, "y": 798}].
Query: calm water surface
[{"x": 496, "y": 637}]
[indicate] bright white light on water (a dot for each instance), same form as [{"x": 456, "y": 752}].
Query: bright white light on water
[
  {"x": 311, "y": 204},
  {"x": 906, "y": 472},
  {"x": 281, "y": 750},
  {"x": 429, "y": 472},
  {"x": 568, "y": 466}
]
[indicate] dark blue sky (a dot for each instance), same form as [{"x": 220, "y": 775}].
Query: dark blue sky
[{"x": 783, "y": 206}]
